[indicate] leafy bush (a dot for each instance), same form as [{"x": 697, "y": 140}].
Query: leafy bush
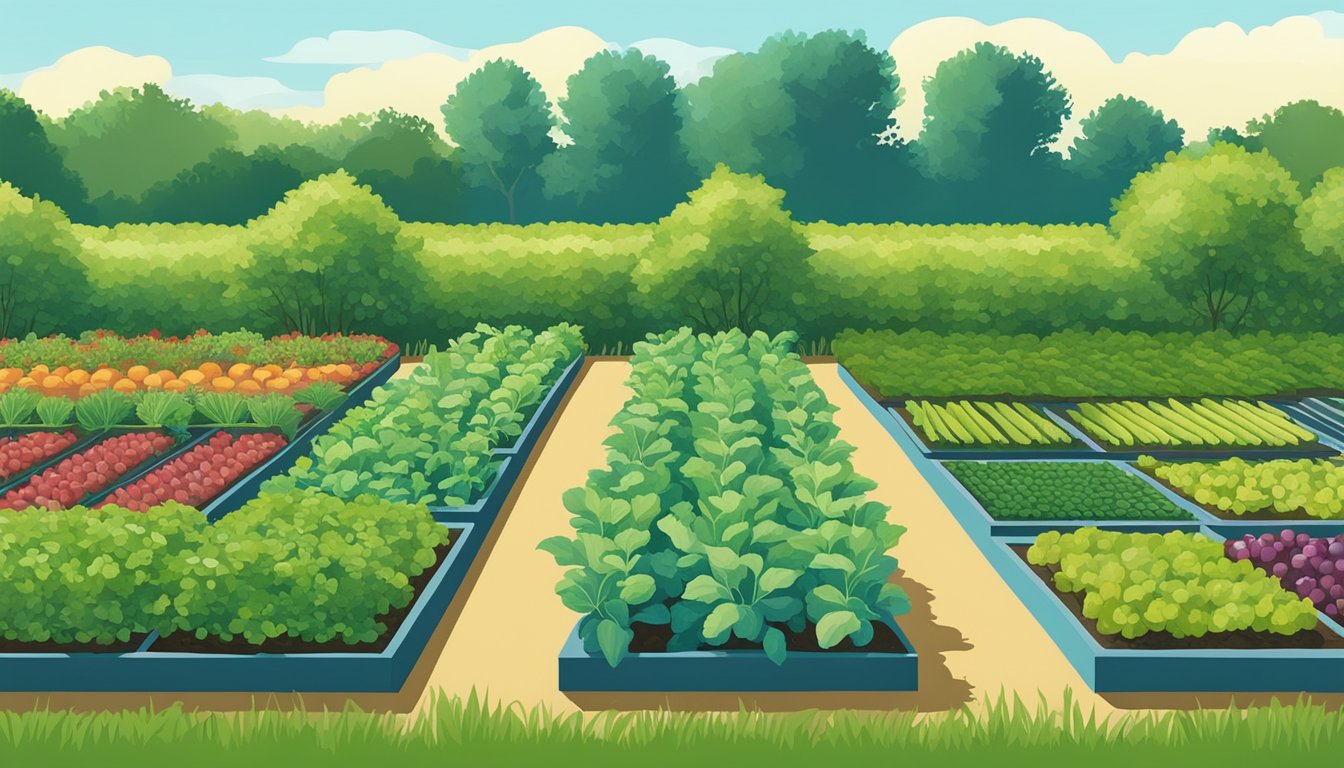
[
  {"x": 1073, "y": 364},
  {"x": 729, "y": 509},
  {"x": 1080, "y": 490},
  {"x": 1203, "y": 423},
  {"x": 301, "y": 565},
  {"x": 1311, "y": 487},
  {"x": 1136, "y": 583},
  {"x": 428, "y": 438}
]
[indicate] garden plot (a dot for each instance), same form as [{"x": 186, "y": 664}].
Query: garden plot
[{"x": 1175, "y": 427}]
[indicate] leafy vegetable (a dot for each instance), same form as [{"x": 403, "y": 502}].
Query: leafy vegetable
[
  {"x": 103, "y": 410},
  {"x": 275, "y": 412},
  {"x": 164, "y": 409},
  {"x": 55, "y": 411},
  {"x": 320, "y": 394},
  {"x": 1310, "y": 487},
  {"x": 1078, "y": 490},
  {"x": 222, "y": 407},
  {"x": 16, "y": 406}
]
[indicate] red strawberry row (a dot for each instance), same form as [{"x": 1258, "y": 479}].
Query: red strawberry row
[
  {"x": 88, "y": 472},
  {"x": 199, "y": 475},
  {"x": 21, "y": 453}
]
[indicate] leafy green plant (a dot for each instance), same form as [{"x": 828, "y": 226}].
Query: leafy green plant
[
  {"x": 729, "y": 508},
  {"x": 222, "y": 407},
  {"x": 1304, "y": 487},
  {"x": 55, "y": 411},
  {"x": 103, "y": 410},
  {"x": 320, "y": 394},
  {"x": 275, "y": 411},
  {"x": 17, "y": 406},
  {"x": 164, "y": 409},
  {"x": 1077, "y": 490}
]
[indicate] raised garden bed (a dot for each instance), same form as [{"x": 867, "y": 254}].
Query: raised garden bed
[
  {"x": 985, "y": 424},
  {"x": 1079, "y": 448},
  {"x": 156, "y": 664}
]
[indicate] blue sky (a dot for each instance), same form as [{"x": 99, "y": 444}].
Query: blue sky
[{"x": 234, "y": 38}]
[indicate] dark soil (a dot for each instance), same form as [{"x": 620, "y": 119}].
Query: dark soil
[
  {"x": 183, "y": 642},
  {"x": 1320, "y": 637},
  {"x": 1298, "y": 515},
  {"x": 18, "y": 646},
  {"x": 653, "y": 638}
]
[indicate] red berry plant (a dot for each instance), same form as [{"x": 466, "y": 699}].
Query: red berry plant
[{"x": 199, "y": 475}]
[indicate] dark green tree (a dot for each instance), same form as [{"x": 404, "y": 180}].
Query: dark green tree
[
  {"x": 1306, "y": 138},
  {"x": 227, "y": 188},
  {"x": 501, "y": 120},
  {"x": 31, "y": 163},
  {"x": 810, "y": 113},
  {"x": 133, "y": 138},
  {"x": 626, "y": 162},
  {"x": 1121, "y": 138},
  {"x": 40, "y": 269}
]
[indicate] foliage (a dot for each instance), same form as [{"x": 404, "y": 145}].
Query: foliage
[
  {"x": 1121, "y": 138},
  {"x": 17, "y": 406},
  {"x": 1077, "y": 490},
  {"x": 1194, "y": 424},
  {"x": 228, "y": 187},
  {"x": 729, "y": 508},
  {"x": 1136, "y": 583},
  {"x": 300, "y": 565},
  {"x": 810, "y": 113},
  {"x": 967, "y": 423},
  {"x": 274, "y": 411},
  {"x": 1218, "y": 231},
  {"x": 322, "y": 395},
  {"x": 103, "y": 410},
  {"x": 54, "y": 411},
  {"x": 39, "y": 265},
  {"x": 731, "y": 256},
  {"x": 1320, "y": 219},
  {"x": 1306, "y": 137},
  {"x": 429, "y": 438},
  {"x": 501, "y": 119},
  {"x": 1311, "y": 487},
  {"x": 331, "y": 257},
  {"x": 31, "y": 163},
  {"x": 91, "y": 350},
  {"x": 163, "y": 409},
  {"x": 222, "y": 407},
  {"x": 1073, "y": 364}
]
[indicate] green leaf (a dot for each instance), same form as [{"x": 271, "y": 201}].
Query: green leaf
[
  {"x": 613, "y": 641},
  {"x": 833, "y": 560},
  {"x": 704, "y": 589},
  {"x": 637, "y": 588},
  {"x": 836, "y": 626},
  {"x": 720, "y": 620},
  {"x": 777, "y": 578},
  {"x": 774, "y": 645}
]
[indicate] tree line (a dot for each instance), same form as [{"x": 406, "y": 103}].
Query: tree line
[{"x": 812, "y": 114}]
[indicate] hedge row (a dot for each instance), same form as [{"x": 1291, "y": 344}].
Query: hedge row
[{"x": 948, "y": 278}]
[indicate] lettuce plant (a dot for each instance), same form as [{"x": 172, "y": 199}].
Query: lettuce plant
[
  {"x": 164, "y": 409},
  {"x": 103, "y": 410},
  {"x": 17, "y": 405},
  {"x": 55, "y": 411}
]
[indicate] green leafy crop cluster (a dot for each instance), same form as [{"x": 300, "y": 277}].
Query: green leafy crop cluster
[
  {"x": 1072, "y": 364},
  {"x": 1314, "y": 487},
  {"x": 1177, "y": 424},
  {"x": 1181, "y": 583},
  {"x": 967, "y": 423},
  {"x": 300, "y": 565},
  {"x": 106, "y": 409},
  {"x": 94, "y": 349},
  {"x": 729, "y": 509},
  {"x": 1081, "y": 490},
  {"x": 428, "y": 438}
]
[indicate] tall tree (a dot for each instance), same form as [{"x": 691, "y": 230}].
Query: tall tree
[
  {"x": 133, "y": 138},
  {"x": 1121, "y": 138},
  {"x": 395, "y": 142},
  {"x": 810, "y": 113},
  {"x": 1306, "y": 137},
  {"x": 30, "y": 162},
  {"x": 40, "y": 269},
  {"x": 729, "y": 257},
  {"x": 626, "y": 162},
  {"x": 501, "y": 119},
  {"x": 1218, "y": 231},
  {"x": 227, "y": 188}
]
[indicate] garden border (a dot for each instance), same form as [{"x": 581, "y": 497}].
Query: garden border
[
  {"x": 145, "y": 670},
  {"x": 739, "y": 670}
]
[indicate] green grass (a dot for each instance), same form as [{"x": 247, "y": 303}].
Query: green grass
[
  {"x": 1010, "y": 490},
  {"x": 471, "y": 732}
]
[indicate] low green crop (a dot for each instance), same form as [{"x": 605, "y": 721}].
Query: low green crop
[
  {"x": 222, "y": 407},
  {"x": 1181, "y": 583},
  {"x": 103, "y": 410},
  {"x": 1079, "y": 490},
  {"x": 981, "y": 423},
  {"x": 55, "y": 411},
  {"x": 275, "y": 411},
  {"x": 322, "y": 395},
  {"x": 17, "y": 406},
  {"x": 164, "y": 409},
  {"x": 1314, "y": 487},
  {"x": 729, "y": 509},
  {"x": 1194, "y": 424}
]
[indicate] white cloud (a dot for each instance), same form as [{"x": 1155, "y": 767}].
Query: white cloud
[
  {"x": 688, "y": 63},
  {"x": 1214, "y": 76},
  {"x": 78, "y": 77},
  {"x": 359, "y": 47},
  {"x": 240, "y": 92},
  {"x": 12, "y": 82},
  {"x": 420, "y": 85}
]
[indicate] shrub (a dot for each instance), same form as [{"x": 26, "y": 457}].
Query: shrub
[{"x": 1313, "y": 487}]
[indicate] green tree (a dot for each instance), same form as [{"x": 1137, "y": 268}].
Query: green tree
[
  {"x": 810, "y": 113},
  {"x": 331, "y": 257},
  {"x": 133, "y": 138},
  {"x": 1321, "y": 219},
  {"x": 729, "y": 257},
  {"x": 1121, "y": 138},
  {"x": 30, "y": 162},
  {"x": 626, "y": 162},
  {"x": 1305, "y": 137},
  {"x": 228, "y": 188},
  {"x": 988, "y": 112},
  {"x": 42, "y": 271},
  {"x": 395, "y": 142},
  {"x": 1217, "y": 231},
  {"x": 501, "y": 119}
]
